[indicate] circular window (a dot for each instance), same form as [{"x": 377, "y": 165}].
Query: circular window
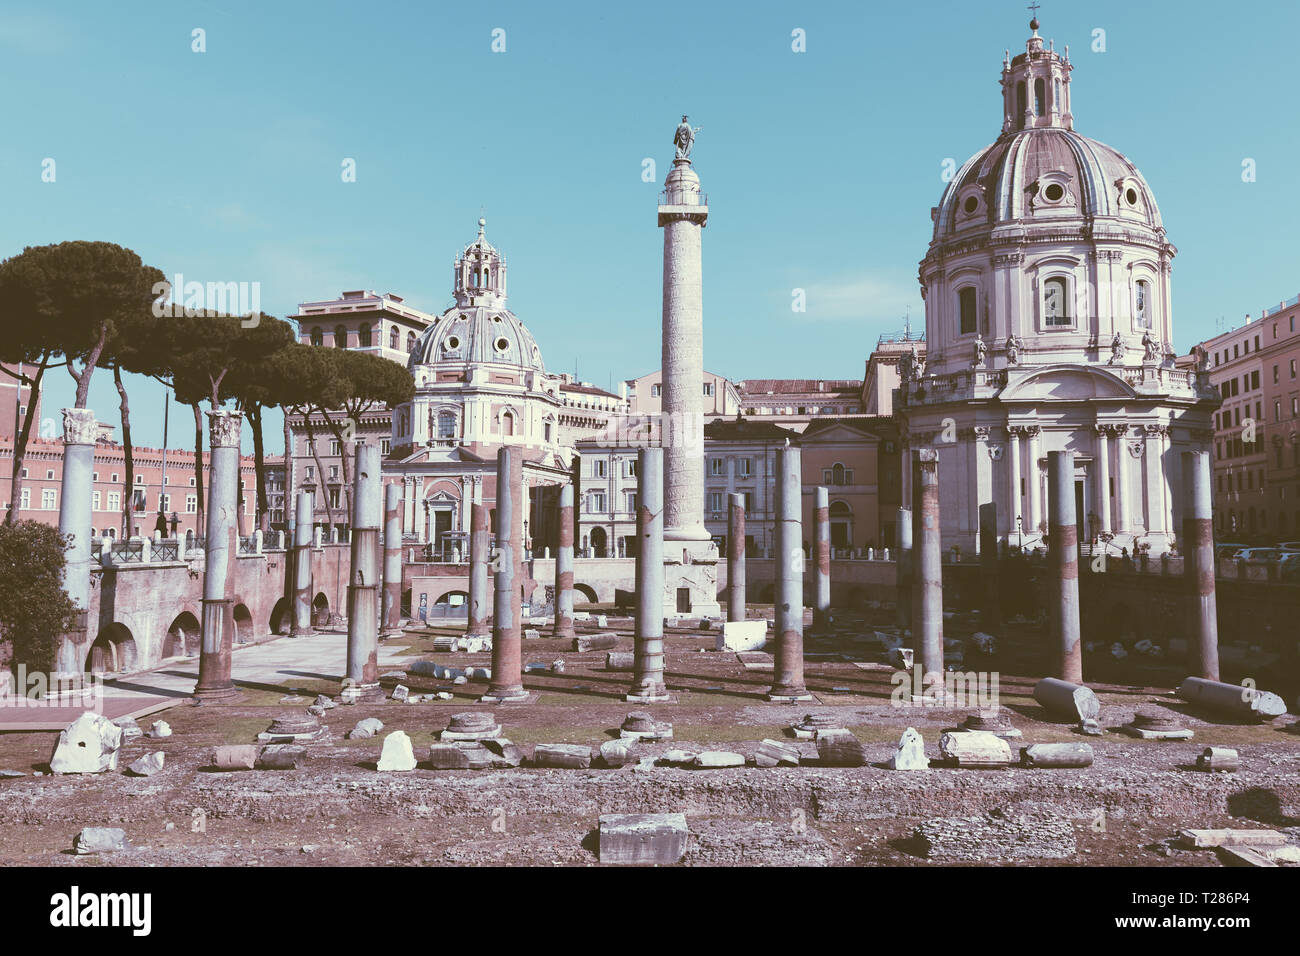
[
  {"x": 971, "y": 204},
  {"x": 1055, "y": 192},
  {"x": 1132, "y": 196},
  {"x": 451, "y": 342},
  {"x": 503, "y": 344}
]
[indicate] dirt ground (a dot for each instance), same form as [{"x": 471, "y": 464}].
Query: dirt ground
[{"x": 337, "y": 810}]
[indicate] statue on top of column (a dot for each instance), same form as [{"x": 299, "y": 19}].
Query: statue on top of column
[{"x": 684, "y": 138}]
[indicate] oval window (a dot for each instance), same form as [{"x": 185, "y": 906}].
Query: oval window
[
  {"x": 503, "y": 345},
  {"x": 1132, "y": 196},
  {"x": 451, "y": 342},
  {"x": 971, "y": 205},
  {"x": 1055, "y": 192}
]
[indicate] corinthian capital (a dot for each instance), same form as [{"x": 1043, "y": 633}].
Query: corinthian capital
[
  {"x": 224, "y": 427},
  {"x": 79, "y": 426}
]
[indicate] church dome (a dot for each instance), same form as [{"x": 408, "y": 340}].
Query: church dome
[
  {"x": 1044, "y": 173},
  {"x": 478, "y": 329},
  {"x": 477, "y": 335}
]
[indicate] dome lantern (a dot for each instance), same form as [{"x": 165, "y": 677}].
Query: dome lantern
[
  {"x": 1036, "y": 88},
  {"x": 480, "y": 274}
]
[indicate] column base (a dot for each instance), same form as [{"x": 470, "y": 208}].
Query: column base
[
  {"x": 788, "y": 695},
  {"x": 362, "y": 694},
  {"x": 505, "y": 695},
  {"x": 649, "y": 692},
  {"x": 217, "y": 695}
]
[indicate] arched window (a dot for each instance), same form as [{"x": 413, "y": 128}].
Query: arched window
[
  {"x": 485, "y": 278},
  {"x": 837, "y": 474},
  {"x": 410, "y": 341},
  {"x": 966, "y": 300},
  {"x": 446, "y": 424},
  {"x": 1020, "y": 104},
  {"x": 1056, "y": 302},
  {"x": 340, "y": 337},
  {"x": 394, "y": 338},
  {"x": 1040, "y": 97},
  {"x": 1142, "y": 304},
  {"x": 363, "y": 335},
  {"x": 317, "y": 336},
  {"x": 507, "y": 423}
]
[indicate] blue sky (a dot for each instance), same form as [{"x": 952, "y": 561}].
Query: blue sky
[{"x": 821, "y": 166}]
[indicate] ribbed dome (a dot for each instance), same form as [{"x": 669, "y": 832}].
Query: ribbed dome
[
  {"x": 1046, "y": 173},
  {"x": 477, "y": 335}
]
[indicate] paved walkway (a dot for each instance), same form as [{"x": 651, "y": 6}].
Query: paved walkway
[{"x": 275, "y": 663}]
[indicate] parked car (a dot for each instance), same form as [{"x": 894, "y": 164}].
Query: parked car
[
  {"x": 1290, "y": 546},
  {"x": 1228, "y": 550},
  {"x": 1259, "y": 554}
]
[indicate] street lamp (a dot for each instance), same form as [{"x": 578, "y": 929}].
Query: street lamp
[{"x": 1020, "y": 533}]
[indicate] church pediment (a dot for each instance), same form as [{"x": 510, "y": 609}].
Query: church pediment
[{"x": 1066, "y": 383}]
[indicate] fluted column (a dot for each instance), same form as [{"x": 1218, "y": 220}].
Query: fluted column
[{"x": 1103, "y": 476}]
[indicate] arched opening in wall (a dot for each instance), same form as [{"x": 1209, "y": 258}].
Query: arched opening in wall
[
  {"x": 587, "y": 592},
  {"x": 406, "y": 603},
  {"x": 112, "y": 652},
  {"x": 507, "y": 424},
  {"x": 841, "y": 516},
  {"x": 320, "y": 610},
  {"x": 243, "y": 624},
  {"x": 280, "y": 617},
  {"x": 599, "y": 543},
  {"x": 449, "y": 604},
  {"x": 453, "y": 598},
  {"x": 182, "y": 637}
]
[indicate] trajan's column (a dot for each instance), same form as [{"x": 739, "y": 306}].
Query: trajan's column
[{"x": 690, "y": 556}]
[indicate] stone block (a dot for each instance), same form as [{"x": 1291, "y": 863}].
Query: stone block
[
  {"x": 562, "y": 756},
  {"x": 595, "y": 642},
  {"x": 643, "y": 838},
  {"x": 616, "y": 753},
  {"x": 910, "y": 754},
  {"x": 88, "y": 745},
  {"x": 975, "y": 748},
  {"x": 398, "y": 755},
  {"x": 366, "y": 728},
  {"x": 148, "y": 765},
  {"x": 776, "y": 753},
  {"x": 840, "y": 749},
  {"x": 281, "y": 757},
  {"x": 742, "y": 636},
  {"x": 719, "y": 759},
  {"x": 235, "y": 757},
  {"x": 502, "y": 753},
  {"x": 100, "y": 840}
]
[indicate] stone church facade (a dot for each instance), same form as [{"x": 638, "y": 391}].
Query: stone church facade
[{"x": 1049, "y": 326}]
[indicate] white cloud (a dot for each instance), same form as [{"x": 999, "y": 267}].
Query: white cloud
[{"x": 871, "y": 297}]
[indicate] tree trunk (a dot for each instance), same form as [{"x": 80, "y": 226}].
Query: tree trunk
[
  {"x": 20, "y": 442},
  {"x": 128, "y": 505},
  {"x": 259, "y": 469},
  {"x": 315, "y": 454},
  {"x": 82, "y": 378},
  {"x": 198, "y": 467}
]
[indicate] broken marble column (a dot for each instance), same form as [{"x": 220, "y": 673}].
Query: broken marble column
[
  {"x": 75, "y": 523},
  {"x": 362, "y": 680},
  {"x": 1063, "y": 567},
  {"x": 1198, "y": 546},
  {"x": 480, "y": 544},
  {"x": 927, "y": 566},
  {"x": 564, "y": 568},
  {"x": 392, "y": 600},
  {"x": 788, "y": 681},
  {"x": 1056, "y": 756},
  {"x": 736, "y": 557},
  {"x": 220, "y": 548},
  {"x": 903, "y": 570},
  {"x": 1245, "y": 702},
  {"x": 648, "y": 677},
  {"x": 974, "y": 748},
  {"x": 507, "y": 638},
  {"x": 991, "y": 615},
  {"x": 822, "y": 558},
  {"x": 1067, "y": 700},
  {"x": 1223, "y": 759},
  {"x": 302, "y": 540}
]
